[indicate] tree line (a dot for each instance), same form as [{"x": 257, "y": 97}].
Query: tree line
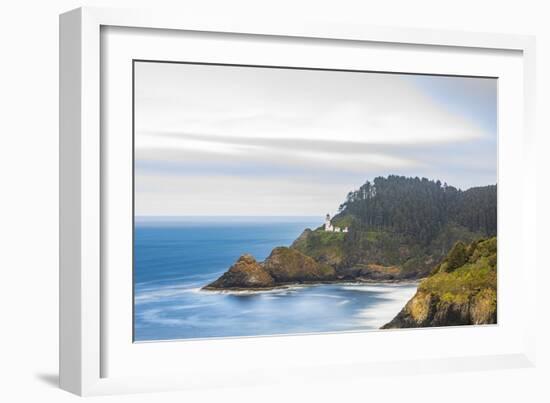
[{"x": 419, "y": 208}]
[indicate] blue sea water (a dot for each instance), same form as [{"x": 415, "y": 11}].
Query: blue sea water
[{"x": 175, "y": 257}]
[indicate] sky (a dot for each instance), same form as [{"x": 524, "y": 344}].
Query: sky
[{"x": 215, "y": 140}]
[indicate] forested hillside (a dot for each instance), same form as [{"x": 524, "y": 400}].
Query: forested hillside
[
  {"x": 400, "y": 227},
  {"x": 420, "y": 208}
]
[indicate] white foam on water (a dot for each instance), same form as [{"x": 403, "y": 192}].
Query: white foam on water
[
  {"x": 394, "y": 298},
  {"x": 161, "y": 293},
  {"x": 378, "y": 287},
  {"x": 326, "y": 296},
  {"x": 188, "y": 306},
  {"x": 281, "y": 291},
  {"x": 387, "y": 300}
]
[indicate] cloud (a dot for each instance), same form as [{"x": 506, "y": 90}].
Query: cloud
[
  {"x": 309, "y": 136},
  {"x": 296, "y": 104},
  {"x": 171, "y": 144},
  {"x": 282, "y": 155}
]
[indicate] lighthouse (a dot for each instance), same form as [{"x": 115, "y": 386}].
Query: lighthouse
[
  {"x": 330, "y": 228},
  {"x": 328, "y": 225}
]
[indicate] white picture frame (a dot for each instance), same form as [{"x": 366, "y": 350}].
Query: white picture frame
[{"x": 93, "y": 350}]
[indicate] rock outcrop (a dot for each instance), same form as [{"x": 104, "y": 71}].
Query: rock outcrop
[
  {"x": 287, "y": 265},
  {"x": 246, "y": 273},
  {"x": 462, "y": 290},
  {"x": 371, "y": 272},
  {"x": 429, "y": 310},
  {"x": 282, "y": 267}
]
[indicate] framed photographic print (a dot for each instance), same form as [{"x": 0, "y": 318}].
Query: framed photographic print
[
  {"x": 236, "y": 199},
  {"x": 230, "y": 162}
]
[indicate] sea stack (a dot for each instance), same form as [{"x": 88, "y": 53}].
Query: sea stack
[
  {"x": 246, "y": 273},
  {"x": 282, "y": 267}
]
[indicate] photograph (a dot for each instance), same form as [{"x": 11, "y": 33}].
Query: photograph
[{"x": 275, "y": 200}]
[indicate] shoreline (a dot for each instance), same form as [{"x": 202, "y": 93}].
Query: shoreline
[{"x": 307, "y": 284}]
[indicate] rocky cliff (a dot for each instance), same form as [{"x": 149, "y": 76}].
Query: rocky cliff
[
  {"x": 287, "y": 265},
  {"x": 399, "y": 229},
  {"x": 461, "y": 290},
  {"x": 245, "y": 273}
]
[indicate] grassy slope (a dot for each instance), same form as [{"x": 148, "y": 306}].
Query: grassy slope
[
  {"x": 459, "y": 284},
  {"x": 325, "y": 247}
]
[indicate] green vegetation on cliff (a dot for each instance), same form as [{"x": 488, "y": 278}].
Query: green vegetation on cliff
[
  {"x": 325, "y": 247},
  {"x": 462, "y": 290},
  {"x": 465, "y": 271}
]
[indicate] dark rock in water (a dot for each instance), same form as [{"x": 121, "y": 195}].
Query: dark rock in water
[
  {"x": 283, "y": 266},
  {"x": 287, "y": 265},
  {"x": 245, "y": 273}
]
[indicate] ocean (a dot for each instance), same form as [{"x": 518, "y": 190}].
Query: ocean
[{"x": 175, "y": 257}]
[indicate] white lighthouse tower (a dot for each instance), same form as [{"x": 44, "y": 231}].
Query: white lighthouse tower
[{"x": 328, "y": 225}]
